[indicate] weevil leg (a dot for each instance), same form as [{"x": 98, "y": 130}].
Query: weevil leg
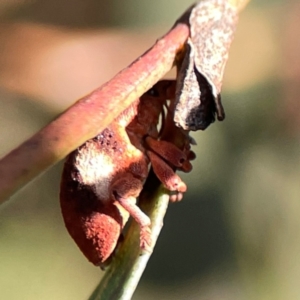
[
  {"x": 125, "y": 190},
  {"x": 142, "y": 219},
  {"x": 167, "y": 176},
  {"x": 172, "y": 154},
  {"x": 167, "y": 151},
  {"x": 186, "y": 167}
]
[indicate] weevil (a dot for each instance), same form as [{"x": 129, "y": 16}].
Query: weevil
[{"x": 103, "y": 177}]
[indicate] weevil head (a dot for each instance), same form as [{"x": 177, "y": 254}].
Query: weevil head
[{"x": 161, "y": 91}]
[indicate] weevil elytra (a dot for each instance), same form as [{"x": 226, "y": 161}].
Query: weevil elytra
[{"x": 102, "y": 178}]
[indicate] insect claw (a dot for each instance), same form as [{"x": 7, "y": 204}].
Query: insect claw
[
  {"x": 186, "y": 167},
  {"x": 145, "y": 239},
  {"x": 192, "y": 141},
  {"x": 175, "y": 197},
  {"x": 181, "y": 187}
]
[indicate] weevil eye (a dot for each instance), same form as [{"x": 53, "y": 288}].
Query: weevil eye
[{"x": 153, "y": 92}]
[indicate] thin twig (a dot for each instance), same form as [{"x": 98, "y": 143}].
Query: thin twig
[{"x": 129, "y": 263}]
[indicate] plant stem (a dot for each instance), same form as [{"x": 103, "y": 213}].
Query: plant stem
[{"x": 127, "y": 267}]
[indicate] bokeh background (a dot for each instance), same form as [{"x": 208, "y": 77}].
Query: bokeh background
[{"x": 236, "y": 234}]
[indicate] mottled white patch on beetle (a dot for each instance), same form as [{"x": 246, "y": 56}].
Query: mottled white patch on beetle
[{"x": 96, "y": 170}]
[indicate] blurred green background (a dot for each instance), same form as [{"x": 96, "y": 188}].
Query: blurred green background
[{"x": 236, "y": 233}]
